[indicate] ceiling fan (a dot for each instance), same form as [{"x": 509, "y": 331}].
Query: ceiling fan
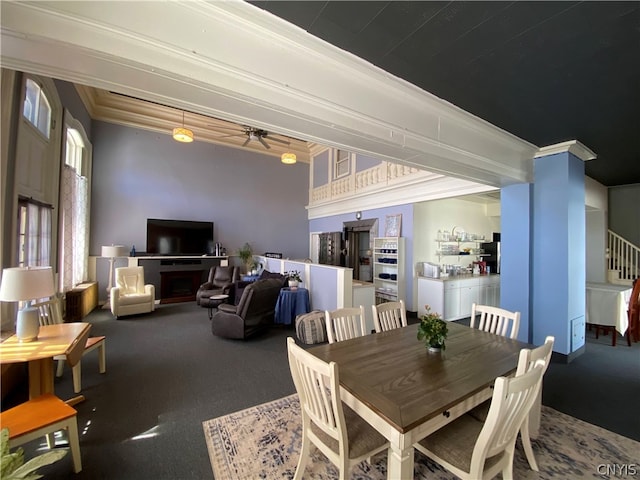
[{"x": 255, "y": 134}]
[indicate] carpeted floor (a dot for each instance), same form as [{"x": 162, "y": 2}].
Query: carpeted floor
[{"x": 264, "y": 442}]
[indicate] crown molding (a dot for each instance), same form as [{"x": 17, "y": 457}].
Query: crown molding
[{"x": 572, "y": 146}]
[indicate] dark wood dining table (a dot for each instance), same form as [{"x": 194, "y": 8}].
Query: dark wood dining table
[{"x": 407, "y": 392}]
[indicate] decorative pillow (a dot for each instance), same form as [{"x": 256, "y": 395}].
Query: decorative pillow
[{"x": 311, "y": 328}]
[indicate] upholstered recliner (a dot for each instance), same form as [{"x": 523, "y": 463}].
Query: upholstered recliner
[
  {"x": 130, "y": 295},
  {"x": 220, "y": 279},
  {"x": 253, "y": 313}
]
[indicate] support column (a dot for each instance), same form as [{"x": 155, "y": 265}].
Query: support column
[
  {"x": 559, "y": 247},
  {"x": 515, "y": 274}
]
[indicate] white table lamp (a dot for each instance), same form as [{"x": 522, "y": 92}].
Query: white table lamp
[
  {"x": 27, "y": 284},
  {"x": 112, "y": 252}
]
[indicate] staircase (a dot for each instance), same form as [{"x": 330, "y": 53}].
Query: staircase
[{"x": 623, "y": 260}]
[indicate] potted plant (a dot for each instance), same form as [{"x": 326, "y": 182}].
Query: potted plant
[
  {"x": 13, "y": 466},
  {"x": 246, "y": 256},
  {"x": 293, "y": 278},
  {"x": 432, "y": 330}
]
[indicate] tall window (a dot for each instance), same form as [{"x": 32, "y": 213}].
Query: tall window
[
  {"x": 341, "y": 165},
  {"x": 36, "y": 108},
  {"x": 74, "y": 202},
  {"x": 34, "y": 234}
]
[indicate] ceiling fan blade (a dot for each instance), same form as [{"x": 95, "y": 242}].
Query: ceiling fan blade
[
  {"x": 266, "y": 145},
  {"x": 246, "y": 141}
]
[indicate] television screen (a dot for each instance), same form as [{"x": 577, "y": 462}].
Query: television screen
[{"x": 179, "y": 237}]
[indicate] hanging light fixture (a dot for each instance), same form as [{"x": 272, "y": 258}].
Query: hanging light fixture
[
  {"x": 288, "y": 158},
  {"x": 181, "y": 134}
]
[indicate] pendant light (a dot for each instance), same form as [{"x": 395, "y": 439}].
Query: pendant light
[
  {"x": 181, "y": 134},
  {"x": 288, "y": 158}
]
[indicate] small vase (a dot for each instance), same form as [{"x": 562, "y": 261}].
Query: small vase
[
  {"x": 293, "y": 284},
  {"x": 435, "y": 348}
]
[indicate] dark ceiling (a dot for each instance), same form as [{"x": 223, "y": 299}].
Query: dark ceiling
[{"x": 545, "y": 71}]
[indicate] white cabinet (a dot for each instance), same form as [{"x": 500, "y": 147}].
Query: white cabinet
[
  {"x": 388, "y": 268},
  {"x": 452, "y": 298},
  {"x": 363, "y": 294}
]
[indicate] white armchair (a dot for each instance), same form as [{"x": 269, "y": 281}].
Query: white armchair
[{"x": 131, "y": 295}]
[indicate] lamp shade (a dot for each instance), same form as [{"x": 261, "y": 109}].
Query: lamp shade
[
  {"x": 288, "y": 158},
  {"x": 26, "y": 283},
  {"x": 114, "y": 251}
]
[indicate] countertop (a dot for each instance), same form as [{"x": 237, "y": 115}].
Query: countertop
[
  {"x": 361, "y": 284},
  {"x": 458, "y": 277}
]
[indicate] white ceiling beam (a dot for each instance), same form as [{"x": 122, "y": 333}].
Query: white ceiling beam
[{"x": 233, "y": 61}]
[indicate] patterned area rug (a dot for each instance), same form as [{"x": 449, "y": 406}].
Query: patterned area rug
[{"x": 264, "y": 442}]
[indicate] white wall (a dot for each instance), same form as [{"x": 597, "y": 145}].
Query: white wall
[{"x": 596, "y": 201}]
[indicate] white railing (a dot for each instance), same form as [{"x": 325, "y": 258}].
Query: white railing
[{"x": 623, "y": 259}]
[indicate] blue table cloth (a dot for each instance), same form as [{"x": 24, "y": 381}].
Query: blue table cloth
[{"x": 291, "y": 303}]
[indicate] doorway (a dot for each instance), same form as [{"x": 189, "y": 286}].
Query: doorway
[{"x": 358, "y": 240}]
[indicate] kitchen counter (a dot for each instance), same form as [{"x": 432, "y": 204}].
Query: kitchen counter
[
  {"x": 458, "y": 277},
  {"x": 453, "y": 296}
]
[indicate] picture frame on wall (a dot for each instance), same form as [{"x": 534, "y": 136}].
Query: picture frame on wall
[{"x": 393, "y": 225}]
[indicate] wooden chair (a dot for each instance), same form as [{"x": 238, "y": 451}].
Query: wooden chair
[
  {"x": 43, "y": 416},
  {"x": 49, "y": 313},
  {"x": 471, "y": 449},
  {"x": 345, "y": 323},
  {"x": 389, "y": 315},
  {"x": 336, "y": 430},
  {"x": 526, "y": 361},
  {"x": 495, "y": 320}
]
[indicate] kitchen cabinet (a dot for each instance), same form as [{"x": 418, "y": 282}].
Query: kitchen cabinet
[
  {"x": 452, "y": 297},
  {"x": 388, "y": 269}
]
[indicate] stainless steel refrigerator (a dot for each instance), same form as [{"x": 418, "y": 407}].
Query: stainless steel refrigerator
[{"x": 491, "y": 255}]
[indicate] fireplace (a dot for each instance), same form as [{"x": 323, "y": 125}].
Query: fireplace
[{"x": 179, "y": 286}]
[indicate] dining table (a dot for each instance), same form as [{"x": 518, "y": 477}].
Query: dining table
[
  {"x": 607, "y": 305},
  {"x": 406, "y": 392},
  {"x": 66, "y": 339}
]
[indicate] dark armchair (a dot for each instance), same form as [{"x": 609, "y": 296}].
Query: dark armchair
[
  {"x": 219, "y": 282},
  {"x": 253, "y": 313}
]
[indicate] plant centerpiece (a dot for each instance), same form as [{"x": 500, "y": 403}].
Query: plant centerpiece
[
  {"x": 294, "y": 278},
  {"x": 432, "y": 330},
  {"x": 246, "y": 256}
]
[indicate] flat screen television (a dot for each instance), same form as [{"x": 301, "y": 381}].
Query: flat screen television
[{"x": 179, "y": 237}]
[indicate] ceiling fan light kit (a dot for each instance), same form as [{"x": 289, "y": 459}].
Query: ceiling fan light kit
[{"x": 288, "y": 158}]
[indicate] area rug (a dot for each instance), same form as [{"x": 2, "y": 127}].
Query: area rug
[{"x": 264, "y": 442}]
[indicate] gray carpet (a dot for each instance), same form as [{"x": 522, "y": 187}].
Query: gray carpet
[
  {"x": 264, "y": 442},
  {"x": 166, "y": 374}
]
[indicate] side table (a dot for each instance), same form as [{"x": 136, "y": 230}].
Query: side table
[
  {"x": 214, "y": 301},
  {"x": 291, "y": 303}
]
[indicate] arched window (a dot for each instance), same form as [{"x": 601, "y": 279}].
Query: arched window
[{"x": 37, "y": 109}]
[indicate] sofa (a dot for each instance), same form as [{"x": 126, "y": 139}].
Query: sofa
[
  {"x": 219, "y": 281},
  {"x": 253, "y": 313}
]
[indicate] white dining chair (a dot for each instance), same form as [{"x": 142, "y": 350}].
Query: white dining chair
[
  {"x": 389, "y": 315},
  {"x": 336, "y": 430},
  {"x": 526, "y": 361},
  {"x": 49, "y": 313},
  {"x": 471, "y": 449},
  {"x": 345, "y": 323},
  {"x": 495, "y": 320}
]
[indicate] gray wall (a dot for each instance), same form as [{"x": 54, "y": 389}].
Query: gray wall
[
  {"x": 624, "y": 211},
  {"x": 250, "y": 197}
]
